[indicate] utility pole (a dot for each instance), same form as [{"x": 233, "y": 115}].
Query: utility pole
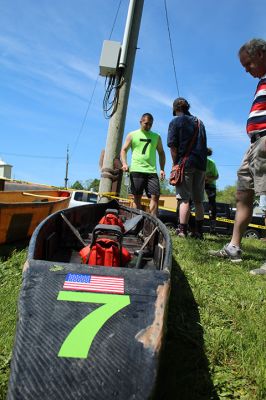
[
  {"x": 117, "y": 121},
  {"x": 67, "y": 162}
]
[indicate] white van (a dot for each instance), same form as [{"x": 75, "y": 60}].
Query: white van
[{"x": 80, "y": 197}]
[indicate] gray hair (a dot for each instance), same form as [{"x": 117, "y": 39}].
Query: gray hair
[{"x": 253, "y": 46}]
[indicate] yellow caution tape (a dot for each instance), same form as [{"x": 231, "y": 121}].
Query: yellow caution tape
[
  {"x": 232, "y": 221},
  {"x": 229, "y": 221},
  {"x": 113, "y": 196}
]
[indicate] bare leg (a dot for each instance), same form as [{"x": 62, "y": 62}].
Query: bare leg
[
  {"x": 244, "y": 207},
  {"x": 137, "y": 201},
  {"x": 184, "y": 212},
  {"x": 154, "y": 205}
]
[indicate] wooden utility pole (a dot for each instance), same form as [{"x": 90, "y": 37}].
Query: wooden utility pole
[
  {"x": 117, "y": 121},
  {"x": 67, "y": 163}
]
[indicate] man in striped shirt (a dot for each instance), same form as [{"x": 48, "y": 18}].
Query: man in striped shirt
[{"x": 252, "y": 172}]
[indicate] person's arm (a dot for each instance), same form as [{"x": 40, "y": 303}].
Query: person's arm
[
  {"x": 124, "y": 150},
  {"x": 210, "y": 178},
  {"x": 172, "y": 141},
  {"x": 174, "y": 153},
  {"x": 161, "y": 157}
]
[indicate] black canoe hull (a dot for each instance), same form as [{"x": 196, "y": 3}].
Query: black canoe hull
[{"x": 117, "y": 358}]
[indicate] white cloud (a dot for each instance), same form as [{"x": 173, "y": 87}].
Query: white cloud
[{"x": 11, "y": 46}]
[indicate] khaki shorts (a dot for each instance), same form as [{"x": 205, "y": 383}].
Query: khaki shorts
[
  {"x": 192, "y": 187},
  {"x": 252, "y": 172}
]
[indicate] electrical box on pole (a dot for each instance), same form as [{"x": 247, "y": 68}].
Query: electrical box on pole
[
  {"x": 109, "y": 57},
  {"x": 120, "y": 76}
]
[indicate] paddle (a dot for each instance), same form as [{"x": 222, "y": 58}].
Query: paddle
[
  {"x": 74, "y": 230},
  {"x": 42, "y": 195},
  {"x": 140, "y": 252}
]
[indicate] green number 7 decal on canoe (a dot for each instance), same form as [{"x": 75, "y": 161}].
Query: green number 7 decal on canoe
[{"x": 77, "y": 343}]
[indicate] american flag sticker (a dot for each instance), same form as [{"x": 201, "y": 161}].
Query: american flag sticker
[{"x": 94, "y": 283}]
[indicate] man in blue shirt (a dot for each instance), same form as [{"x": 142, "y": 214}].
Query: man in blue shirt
[{"x": 187, "y": 137}]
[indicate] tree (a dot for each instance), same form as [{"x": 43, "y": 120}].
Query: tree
[
  {"x": 166, "y": 188},
  {"x": 93, "y": 184},
  {"x": 77, "y": 186},
  {"x": 228, "y": 195}
]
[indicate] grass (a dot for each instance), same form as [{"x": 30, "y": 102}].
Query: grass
[
  {"x": 216, "y": 332},
  {"x": 10, "y": 281},
  {"x": 215, "y": 343}
]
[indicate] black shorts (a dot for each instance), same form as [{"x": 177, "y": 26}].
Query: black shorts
[{"x": 141, "y": 181}]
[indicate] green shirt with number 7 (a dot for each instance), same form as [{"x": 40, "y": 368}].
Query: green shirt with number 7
[{"x": 143, "y": 147}]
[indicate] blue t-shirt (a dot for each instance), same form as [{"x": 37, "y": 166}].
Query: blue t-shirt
[{"x": 180, "y": 133}]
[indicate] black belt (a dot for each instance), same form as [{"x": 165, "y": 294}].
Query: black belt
[{"x": 257, "y": 136}]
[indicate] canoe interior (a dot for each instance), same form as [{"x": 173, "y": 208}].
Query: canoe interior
[{"x": 54, "y": 241}]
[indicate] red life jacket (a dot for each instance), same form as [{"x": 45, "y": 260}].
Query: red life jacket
[
  {"x": 111, "y": 219},
  {"x": 105, "y": 252}
]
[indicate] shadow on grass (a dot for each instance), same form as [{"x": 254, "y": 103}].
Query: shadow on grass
[
  {"x": 6, "y": 250},
  {"x": 184, "y": 372}
]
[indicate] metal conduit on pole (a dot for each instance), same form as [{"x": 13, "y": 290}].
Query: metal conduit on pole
[
  {"x": 126, "y": 38},
  {"x": 117, "y": 121}
]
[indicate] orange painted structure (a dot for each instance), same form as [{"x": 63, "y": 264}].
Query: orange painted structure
[{"x": 21, "y": 212}]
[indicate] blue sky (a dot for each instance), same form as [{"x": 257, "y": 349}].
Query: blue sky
[{"x": 50, "y": 51}]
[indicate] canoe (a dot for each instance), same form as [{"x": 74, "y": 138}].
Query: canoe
[
  {"x": 22, "y": 211},
  {"x": 92, "y": 331}
]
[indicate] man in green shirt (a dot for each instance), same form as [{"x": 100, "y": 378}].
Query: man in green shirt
[
  {"x": 210, "y": 188},
  {"x": 143, "y": 175}
]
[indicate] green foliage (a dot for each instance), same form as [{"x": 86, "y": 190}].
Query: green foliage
[
  {"x": 166, "y": 188},
  {"x": 228, "y": 195},
  {"x": 92, "y": 184},
  {"x": 77, "y": 186},
  {"x": 89, "y": 184}
]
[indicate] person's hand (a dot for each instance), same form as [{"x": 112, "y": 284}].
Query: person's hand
[
  {"x": 125, "y": 167},
  {"x": 162, "y": 175}
]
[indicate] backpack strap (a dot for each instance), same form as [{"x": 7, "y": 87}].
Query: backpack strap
[{"x": 103, "y": 229}]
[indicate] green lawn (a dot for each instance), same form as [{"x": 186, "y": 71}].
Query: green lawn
[
  {"x": 215, "y": 344},
  {"x": 10, "y": 281}
]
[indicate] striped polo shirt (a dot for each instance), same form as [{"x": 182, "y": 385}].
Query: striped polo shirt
[{"x": 256, "y": 123}]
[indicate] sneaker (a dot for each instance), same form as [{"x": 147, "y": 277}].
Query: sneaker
[
  {"x": 180, "y": 234},
  {"x": 182, "y": 231},
  {"x": 259, "y": 271},
  {"x": 233, "y": 253}
]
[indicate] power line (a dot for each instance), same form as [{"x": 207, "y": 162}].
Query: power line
[
  {"x": 93, "y": 91},
  {"x": 117, "y": 11},
  {"x": 171, "y": 47},
  {"x": 84, "y": 119},
  {"x": 33, "y": 156},
  {"x": 227, "y": 165}
]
